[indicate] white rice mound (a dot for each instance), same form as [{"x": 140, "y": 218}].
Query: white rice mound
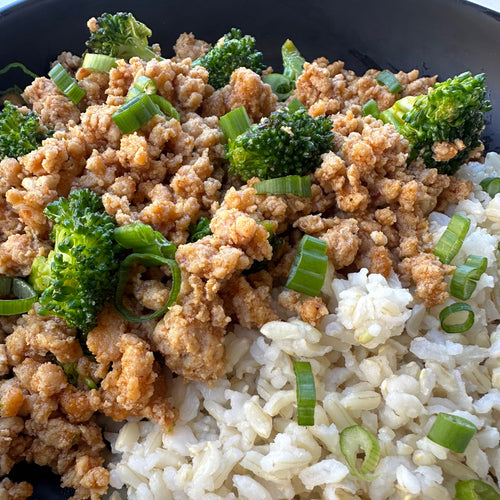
[{"x": 380, "y": 360}]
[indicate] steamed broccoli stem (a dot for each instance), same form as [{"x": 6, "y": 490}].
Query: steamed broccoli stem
[
  {"x": 233, "y": 51},
  {"x": 20, "y": 133},
  {"x": 451, "y": 112},
  {"x": 79, "y": 274},
  {"x": 289, "y": 142},
  {"x": 121, "y": 35}
]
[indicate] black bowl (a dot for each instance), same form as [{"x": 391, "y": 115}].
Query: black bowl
[{"x": 444, "y": 37}]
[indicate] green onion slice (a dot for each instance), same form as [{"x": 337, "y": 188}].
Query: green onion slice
[
  {"x": 66, "y": 84},
  {"x": 291, "y": 184},
  {"x": 452, "y": 239},
  {"x": 474, "y": 489},
  {"x": 165, "y": 107},
  {"x": 306, "y": 392},
  {"x": 293, "y": 62},
  {"x": 491, "y": 185},
  {"x": 24, "y": 293},
  {"x": 390, "y": 81},
  {"x": 235, "y": 123},
  {"x": 281, "y": 85},
  {"x": 465, "y": 277},
  {"x": 148, "y": 260},
  {"x": 452, "y": 318},
  {"x": 98, "y": 62},
  {"x": 135, "y": 113},
  {"x": 370, "y": 108},
  {"x": 145, "y": 84},
  {"x": 353, "y": 438},
  {"x": 452, "y": 432},
  {"x": 309, "y": 267},
  {"x": 200, "y": 230},
  {"x": 295, "y": 105},
  {"x": 19, "y": 65},
  {"x": 142, "y": 238}
]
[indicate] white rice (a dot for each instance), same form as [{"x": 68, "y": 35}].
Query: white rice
[{"x": 380, "y": 360}]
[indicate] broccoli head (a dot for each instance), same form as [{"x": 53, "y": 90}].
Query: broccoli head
[
  {"x": 451, "y": 112},
  {"x": 233, "y": 51},
  {"x": 79, "y": 274},
  {"x": 20, "y": 132},
  {"x": 288, "y": 142},
  {"x": 121, "y": 35}
]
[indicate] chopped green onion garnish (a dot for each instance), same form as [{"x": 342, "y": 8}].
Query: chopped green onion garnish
[
  {"x": 165, "y": 107},
  {"x": 19, "y": 65},
  {"x": 306, "y": 392},
  {"x": 66, "y": 84},
  {"x": 353, "y": 438},
  {"x": 452, "y": 239},
  {"x": 291, "y": 184},
  {"x": 293, "y": 62},
  {"x": 465, "y": 277},
  {"x": 24, "y": 293},
  {"x": 474, "y": 489},
  {"x": 98, "y": 62},
  {"x": 281, "y": 85},
  {"x": 452, "y": 318},
  {"x": 295, "y": 105},
  {"x": 370, "y": 108},
  {"x": 452, "y": 432},
  {"x": 390, "y": 81},
  {"x": 142, "y": 238},
  {"x": 309, "y": 267},
  {"x": 145, "y": 84},
  {"x": 234, "y": 123},
  {"x": 491, "y": 185},
  {"x": 200, "y": 230},
  {"x": 148, "y": 260}
]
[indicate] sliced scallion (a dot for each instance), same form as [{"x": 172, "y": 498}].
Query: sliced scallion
[
  {"x": 24, "y": 293},
  {"x": 474, "y": 489},
  {"x": 351, "y": 440},
  {"x": 452, "y": 432},
  {"x": 20, "y": 66},
  {"x": 295, "y": 105},
  {"x": 147, "y": 260},
  {"x": 491, "y": 185},
  {"x": 370, "y": 108},
  {"x": 390, "y": 81},
  {"x": 98, "y": 62},
  {"x": 142, "y": 238},
  {"x": 234, "y": 123},
  {"x": 465, "y": 277},
  {"x": 66, "y": 84},
  {"x": 145, "y": 84},
  {"x": 452, "y": 239},
  {"x": 306, "y": 392},
  {"x": 293, "y": 62},
  {"x": 291, "y": 184},
  {"x": 457, "y": 318},
  {"x": 280, "y": 85},
  {"x": 165, "y": 107},
  {"x": 135, "y": 113},
  {"x": 309, "y": 267}
]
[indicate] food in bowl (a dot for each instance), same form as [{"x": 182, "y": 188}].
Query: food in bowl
[{"x": 249, "y": 284}]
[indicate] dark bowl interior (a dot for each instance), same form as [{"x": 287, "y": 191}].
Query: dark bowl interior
[{"x": 444, "y": 37}]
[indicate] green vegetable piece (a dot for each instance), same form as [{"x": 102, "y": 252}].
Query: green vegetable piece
[
  {"x": 79, "y": 274},
  {"x": 306, "y": 392},
  {"x": 452, "y": 318},
  {"x": 25, "y": 296},
  {"x": 390, "y": 81},
  {"x": 452, "y": 112},
  {"x": 474, "y": 489},
  {"x": 286, "y": 143},
  {"x": 122, "y": 36},
  {"x": 491, "y": 185},
  {"x": 351, "y": 440},
  {"x": 370, "y": 108},
  {"x": 452, "y": 432},
  {"x": 200, "y": 230},
  {"x": 142, "y": 238},
  {"x": 20, "y": 132},
  {"x": 231, "y": 52},
  {"x": 452, "y": 239}
]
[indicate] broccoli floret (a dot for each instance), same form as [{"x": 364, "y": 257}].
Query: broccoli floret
[
  {"x": 20, "y": 133},
  {"x": 121, "y": 35},
  {"x": 289, "y": 142},
  {"x": 233, "y": 51},
  {"x": 451, "y": 111},
  {"x": 79, "y": 274}
]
